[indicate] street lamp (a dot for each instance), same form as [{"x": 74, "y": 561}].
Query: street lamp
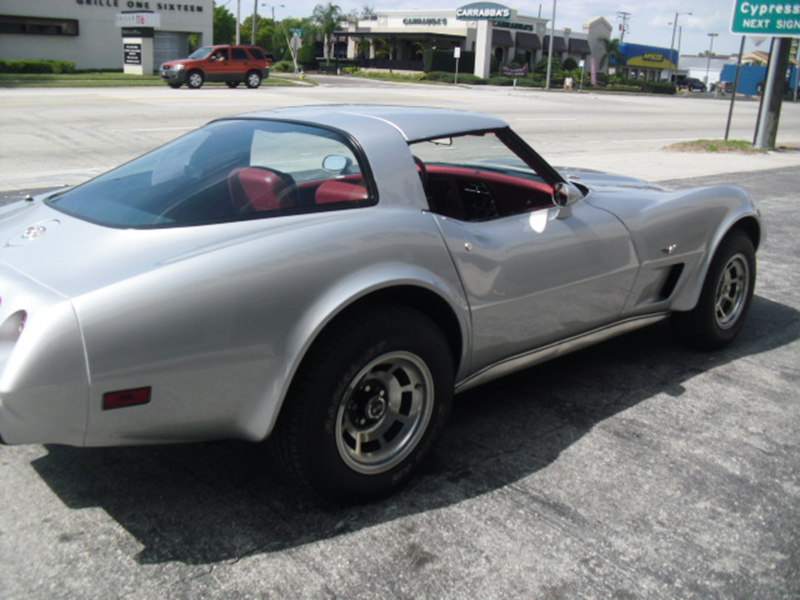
[
  {"x": 710, "y": 47},
  {"x": 255, "y": 18},
  {"x": 672, "y": 45},
  {"x": 272, "y": 6}
]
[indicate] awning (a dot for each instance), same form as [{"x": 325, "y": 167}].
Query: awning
[
  {"x": 528, "y": 41},
  {"x": 502, "y": 37},
  {"x": 559, "y": 45},
  {"x": 580, "y": 47}
]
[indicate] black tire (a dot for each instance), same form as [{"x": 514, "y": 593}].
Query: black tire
[
  {"x": 195, "y": 79},
  {"x": 366, "y": 405},
  {"x": 725, "y": 298},
  {"x": 232, "y": 84},
  {"x": 174, "y": 86},
  {"x": 253, "y": 79}
]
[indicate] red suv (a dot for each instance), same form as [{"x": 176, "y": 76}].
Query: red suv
[{"x": 231, "y": 64}]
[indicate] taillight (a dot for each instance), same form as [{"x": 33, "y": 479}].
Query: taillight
[{"x": 126, "y": 398}]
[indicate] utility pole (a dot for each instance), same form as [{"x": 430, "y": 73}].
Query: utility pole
[
  {"x": 550, "y": 50},
  {"x": 773, "y": 94},
  {"x": 623, "y": 28},
  {"x": 672, "y": 46},
  {"x": 238, "y": 19},
  {"x": 710, "y": 54}
]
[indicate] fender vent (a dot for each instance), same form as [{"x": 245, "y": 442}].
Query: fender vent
[{"x": 672, "y": 281}]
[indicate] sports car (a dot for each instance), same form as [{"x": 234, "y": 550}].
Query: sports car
[{"x": 328, "y": 277}]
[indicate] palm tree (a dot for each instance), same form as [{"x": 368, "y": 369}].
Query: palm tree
[
  {"x": 327, "y": 18},
  {"x": 612, "y": 50}
]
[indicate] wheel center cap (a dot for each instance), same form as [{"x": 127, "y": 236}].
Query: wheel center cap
[{"x": 376, "y": 408}]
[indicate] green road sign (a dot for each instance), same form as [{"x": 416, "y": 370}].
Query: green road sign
[{"x": 778, "y": 18}]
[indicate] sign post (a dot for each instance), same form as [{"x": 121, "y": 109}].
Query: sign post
[
  {"x": 780, "y": 19},
  {"x": 457, "y": 55}
]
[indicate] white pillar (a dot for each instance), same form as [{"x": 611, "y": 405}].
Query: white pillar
[{"x": 483, "y": 49}]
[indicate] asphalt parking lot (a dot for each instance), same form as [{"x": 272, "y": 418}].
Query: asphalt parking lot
[{"x": 634, "y": 469}]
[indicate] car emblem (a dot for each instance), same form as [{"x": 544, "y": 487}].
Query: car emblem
[{"x": 34, "y": 231}]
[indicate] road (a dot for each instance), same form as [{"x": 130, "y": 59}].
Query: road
[
  {"x": 636, "y": 469},
  {"x": 63, "y": 136}
]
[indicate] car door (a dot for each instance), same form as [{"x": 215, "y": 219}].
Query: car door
[{"x": 533, "y": 279}]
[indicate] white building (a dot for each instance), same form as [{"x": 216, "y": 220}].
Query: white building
[
  {"x": 87, "y": 33},
  {"x": 490, "y": 30}
]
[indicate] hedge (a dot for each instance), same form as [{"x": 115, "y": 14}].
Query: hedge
[{"x": 36, "y": 66}]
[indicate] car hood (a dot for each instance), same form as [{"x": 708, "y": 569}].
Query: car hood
[
  {"x": 179, "y": 61},
  {"x": 73, "y": 257},
  {"x": 598, "y": 180}
]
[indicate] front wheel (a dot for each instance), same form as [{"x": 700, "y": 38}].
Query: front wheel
[
  {"x": 195, "y": 80},
  {"x": 367, "y": 405},
  {"x": 725, "y": 298},
  {"x": 253, "y": 79}
]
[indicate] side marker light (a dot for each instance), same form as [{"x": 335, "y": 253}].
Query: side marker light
[{"x": 126, "y": 398}]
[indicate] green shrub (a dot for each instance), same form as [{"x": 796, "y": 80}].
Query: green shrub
[
  {"x": 283, "y": 66},
  {"x": 467, "y": 78},
  {"x": 569, "y": 64},
  {"x": 306, "y": 57},
  {"x": 36, "y": 66}
]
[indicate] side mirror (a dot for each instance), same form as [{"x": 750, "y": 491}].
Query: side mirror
[
  {"x": 335, "y": 163},
  {"x": 565, "y": 195}
]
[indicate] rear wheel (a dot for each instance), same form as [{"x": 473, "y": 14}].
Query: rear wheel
[
  {"x": 195, "y": 79},
  {"x": 725, "y": 298},
  {"x": 253, "y": 79},
  {"x": 232, "y": 84},
  {"x": 367, "y": 405},
  {"x": 174, "y": 86}
]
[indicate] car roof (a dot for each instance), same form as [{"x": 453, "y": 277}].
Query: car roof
[{"x": 413, "y": 123}]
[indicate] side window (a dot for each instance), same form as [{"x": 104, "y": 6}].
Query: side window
[
  {"x": 478, "y": 177},
  {"x": 230, "y": 170},
  {"x": 257, "y": 54},
  {"x": 321, "y": 169},
  {"x": 220, "y": 55},
  {"x": 239, "y": 54}
]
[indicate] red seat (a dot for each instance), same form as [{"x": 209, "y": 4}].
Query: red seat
[
  {"x": 254, "y": 188},
  {"x": 334, "y": 190}
]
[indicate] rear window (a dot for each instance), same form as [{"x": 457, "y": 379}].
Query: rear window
[{"x": 227, "y": 171}]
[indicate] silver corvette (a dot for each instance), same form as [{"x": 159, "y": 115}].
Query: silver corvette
[{"x": 328, "y": 277}]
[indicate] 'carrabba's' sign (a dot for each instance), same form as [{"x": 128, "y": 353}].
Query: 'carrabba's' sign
[{"x": 483, "y": 10}]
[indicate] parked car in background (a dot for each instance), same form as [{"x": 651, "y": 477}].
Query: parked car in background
[
  {"x": 328, "y": 276},
  {"x": 231, "y": 64}
]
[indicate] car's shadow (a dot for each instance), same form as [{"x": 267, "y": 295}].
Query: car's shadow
[{"x": 204, "y": 503}]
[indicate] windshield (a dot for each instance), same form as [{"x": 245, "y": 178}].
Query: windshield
[
  {"x": 201, "y": 53},
  {"x": 229, "y": 170}
]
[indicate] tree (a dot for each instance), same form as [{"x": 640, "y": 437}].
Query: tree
[
  {"x": 367, "y": 12},
  {"x": 612, "y": 51},
  {"x": 224, "y": 25},
  {"x": 327, "y": 18}
]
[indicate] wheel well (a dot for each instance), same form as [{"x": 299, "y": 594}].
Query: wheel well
[
  {"x": 750, "y": 227},
  {"x": 428, "y": 303}
]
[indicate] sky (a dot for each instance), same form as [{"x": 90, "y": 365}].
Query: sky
[{"x": 650, "y": 23}]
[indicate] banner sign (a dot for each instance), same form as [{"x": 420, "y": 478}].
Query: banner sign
[
  {"x": 483, "y": 11},
  {"x": 509, "y": 71}
]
